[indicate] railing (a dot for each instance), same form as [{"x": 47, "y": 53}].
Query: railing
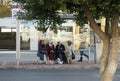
[{"x": 89, "y": 51}]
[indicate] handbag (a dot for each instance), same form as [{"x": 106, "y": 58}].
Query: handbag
[
  {"x": 38, "y": 55},
  {"x": 73, "y": 55}
]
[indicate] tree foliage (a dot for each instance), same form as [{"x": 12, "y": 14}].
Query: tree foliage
[
  {"x": 98, "y": 8},
  {"x": 46, "y": 11}
]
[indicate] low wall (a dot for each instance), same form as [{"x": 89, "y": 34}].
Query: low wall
[
  {"x": 7, "y": 44},
  {"x": 7, "y": 40}
]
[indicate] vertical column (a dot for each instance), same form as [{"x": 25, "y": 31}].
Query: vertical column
[
  {"x": 77, "y": 37},
  {"x": 18, "y": 43},
  {"x": 33, "y": 39},
  {"x": 73, "y": 37},
  {"x": 89, "y": 53},
  {"x": 103, "y": 24}
]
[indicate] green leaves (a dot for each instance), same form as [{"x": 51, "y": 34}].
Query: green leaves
[{"x": 46, "y": 11}]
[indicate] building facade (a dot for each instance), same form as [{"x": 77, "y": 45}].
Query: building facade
[{"x": 30, "y": 35}]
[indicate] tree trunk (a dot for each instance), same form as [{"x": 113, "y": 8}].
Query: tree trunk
[
  {"x": 110, "y": 69},
  {"x": 105, "y": 55},
  {"x": 109, "y": 61},
  {"x": 106, "y": 48},
  {"x": 104, "y": 36}
]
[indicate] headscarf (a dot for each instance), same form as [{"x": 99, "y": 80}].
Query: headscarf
[
  {"x": 50, "y": 43},
  {"x": 41, "y": 43}
]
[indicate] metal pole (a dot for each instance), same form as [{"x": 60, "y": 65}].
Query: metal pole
[
  {"x": 89, "y": 52},
  {"x": 73, "y": 37},
  {"x": 95, "y": 57},
  {"x": 18, "y": 43}
]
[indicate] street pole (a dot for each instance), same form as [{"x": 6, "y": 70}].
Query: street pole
[
  {"x": 73, "y": 37},
  {"x": 95, "y": 55},
  {"x": 18, "y": 43},
  {"x": 89, "y": 53}
]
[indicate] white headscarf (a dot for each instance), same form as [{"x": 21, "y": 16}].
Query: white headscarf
[{"x": 50, "y": 43}]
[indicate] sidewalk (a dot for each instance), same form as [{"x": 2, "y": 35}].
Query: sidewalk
[
  {"x": 75, "y": 65},
  {"x": 8, "y": 61}
]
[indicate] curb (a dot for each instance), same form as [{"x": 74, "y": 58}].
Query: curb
[
  {"x": 51, "y": 66},
  {"x": 39, "y": 67}
]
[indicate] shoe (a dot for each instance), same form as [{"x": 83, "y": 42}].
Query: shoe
[
  {"x": 80, "y": 60},
  {"x": 60, "y": 62}
]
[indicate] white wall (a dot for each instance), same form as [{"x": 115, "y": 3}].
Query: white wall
[{"x": 33, "y": 39}]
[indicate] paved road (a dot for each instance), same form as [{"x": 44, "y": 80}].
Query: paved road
[{"x": 52, "y": 75}]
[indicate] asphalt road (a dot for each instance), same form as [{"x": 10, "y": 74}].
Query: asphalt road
[{"x": 52, "y": 75}]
